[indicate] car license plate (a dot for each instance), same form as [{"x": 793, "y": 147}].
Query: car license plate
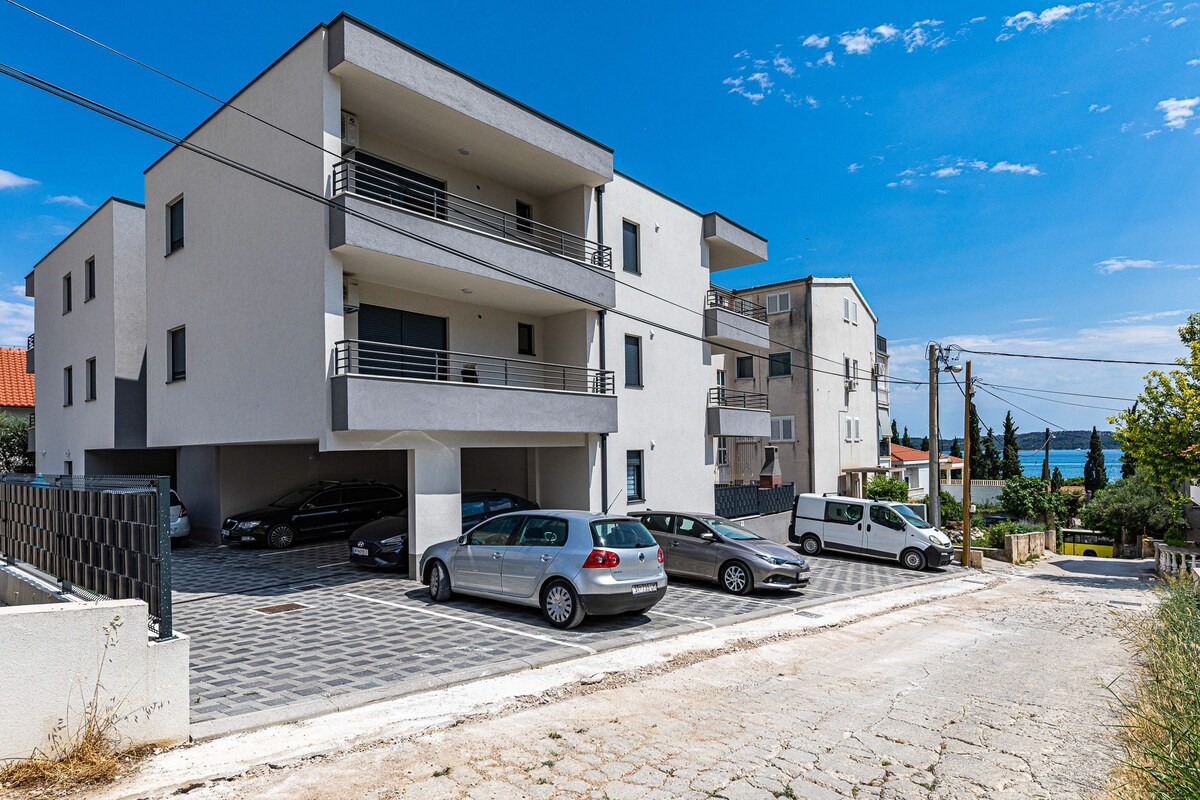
[
  {"x": 247, "y": 538},
  {"x": 359, "y": 551},
  {"x": 645, "y": 588}
]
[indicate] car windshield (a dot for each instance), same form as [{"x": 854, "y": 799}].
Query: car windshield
[
  {"x": 621, "y": 534},
  {"x": 297, "y": 498},
  {"x": 729, "y": 529},
  {"x": 910, "y": 516}
]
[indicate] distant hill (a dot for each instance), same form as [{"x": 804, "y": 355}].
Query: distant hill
[{"x": 1059, "y": 440}]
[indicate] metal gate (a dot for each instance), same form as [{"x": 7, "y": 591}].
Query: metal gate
[{"x": 98, "y": 536}]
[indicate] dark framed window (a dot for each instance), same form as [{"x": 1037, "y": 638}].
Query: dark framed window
[
  {"x": 175, "y": 226},
  {"x": 780, "y": 364},
  {"x": 67, "y": 293},
  {"x": 68, "y": 386},
  {"x": 722, "y": 451},
  {"x": 525, "y": 339},
  {"x": 89, "y": 279},
  {"x": 745, "y": 366},
  {"x": 177, "y": 354},
  {"x": 524, "y": 217},
  {"x": 633, "y": 361},
  {"x": 89, "y": 380},
  {"x": 635, "y": 488},
  {"x": 630, "y": 257}
]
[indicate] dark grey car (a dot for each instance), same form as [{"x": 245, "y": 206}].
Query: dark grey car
[{"x": 713, "y": 548}]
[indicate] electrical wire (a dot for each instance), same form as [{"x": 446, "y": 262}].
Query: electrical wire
[
  {"x": 1052, "y": 400},
  {"x": 983, "y": 388},
  {"x": 1070, "y": 394},
  {"x": 1073, "y": 358}
]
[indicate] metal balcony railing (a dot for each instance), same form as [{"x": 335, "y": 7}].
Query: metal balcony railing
[
  {"x": 734, "y": 398},
  {"x": 356, "y": 357},
  {"x": 375, "y": 183},
  {"x": 32, "y": 420},
  {"x": 722, "y": 298}
]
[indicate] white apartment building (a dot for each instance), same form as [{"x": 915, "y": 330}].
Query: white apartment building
[
  {"x": 483, "y": 303},
  {"x": 825, "y": 380}
]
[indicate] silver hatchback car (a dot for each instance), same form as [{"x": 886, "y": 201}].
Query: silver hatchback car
[{"x": 568, "y": 563}]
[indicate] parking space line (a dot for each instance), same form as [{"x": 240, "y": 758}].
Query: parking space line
[
  {"x": 658, "y": 613},
  {"x": 481, "y": 624}
]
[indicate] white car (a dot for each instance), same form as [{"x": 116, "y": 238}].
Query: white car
[
  {"x": 181, "y": 526},
  {"x": 867, "y": 527}
]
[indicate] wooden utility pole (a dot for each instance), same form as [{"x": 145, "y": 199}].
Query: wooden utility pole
[
  {"x": 966, "y": 548},
  {"x": 1046, "y": 457},
  {"x": 935, "y": 474}
]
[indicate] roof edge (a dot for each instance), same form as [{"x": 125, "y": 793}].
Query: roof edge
[{"x": 75, "y": 230}]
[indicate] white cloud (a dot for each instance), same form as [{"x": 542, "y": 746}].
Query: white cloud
[
  {"x": 737, "y": 86},
  {"x": 1121, "y": 263},
  {"x": 1096, "y": 108},
  {"x": 16, "y": 319},
  {"x": 1176, "y": 112},
  {"x": 1175, "y": 23},
  {"x": 1194, "y": 62},
  {"x": 946, "y": 172},
  {"x": 1149, "y": 316},
  {"x": 1151, "y": 134},
  {"x": 820, "y": 42},
  {"x": 853, "y": 168},
  {"x": 973, "y": 20},
  {"x": 886, "y": 32},
  {"x": 1020, "y": 169},
  {"x": 10, "y": 180},
  {"x": 784, "y": 65},
  {"x": 68, "y": 200},
  {"x": 924, "y": 33},
  {"x": 826, "y": 59},
  {"x": 1041, "y": 20},
  {"x": 857, "y": 43}
]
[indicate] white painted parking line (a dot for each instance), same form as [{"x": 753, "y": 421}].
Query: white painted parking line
[
  {"x": 452, "y": 618},
  {"x": 657, "y": 613}
]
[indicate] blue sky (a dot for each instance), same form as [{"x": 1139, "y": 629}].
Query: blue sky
[{"x": 998, "y": 175}]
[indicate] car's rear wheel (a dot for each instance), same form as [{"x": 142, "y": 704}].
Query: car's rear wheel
[
  {"x": 561, "y": 606},
  {"x": 913, "y": 559},
  {"x": 439, "y": 583},
  {"x": 281, "y": 537},
  {"x": 736, "y": 578},
  {"x": 810, "y": 544}
]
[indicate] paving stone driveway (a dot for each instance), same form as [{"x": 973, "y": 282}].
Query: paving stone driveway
[{"x": 344, "y": 629}]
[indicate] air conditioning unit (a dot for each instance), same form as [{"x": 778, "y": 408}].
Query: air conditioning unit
[
  {"x": 851, "y": 385},
  {"x": 349, "y": 130}
]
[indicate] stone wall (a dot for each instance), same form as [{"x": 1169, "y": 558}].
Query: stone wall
[{"x": 1020, "y": 547}]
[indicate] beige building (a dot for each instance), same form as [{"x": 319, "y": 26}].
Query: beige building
[{"x": 825, "y": 381}]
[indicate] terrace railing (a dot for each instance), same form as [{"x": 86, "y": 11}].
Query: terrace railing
[
  {"x": 722, "y": 298},
  {"x": 735, "y": 398}
]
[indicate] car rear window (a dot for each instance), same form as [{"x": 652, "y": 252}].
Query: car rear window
[{"x": 620, "y": 534}]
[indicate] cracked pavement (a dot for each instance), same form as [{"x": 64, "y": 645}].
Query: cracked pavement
[{"x": 995, "y": 694}]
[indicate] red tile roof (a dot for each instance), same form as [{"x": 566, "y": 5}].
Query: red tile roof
[
  {"x": 902, "y": 454},
  {"x": 16, "y": 385}
]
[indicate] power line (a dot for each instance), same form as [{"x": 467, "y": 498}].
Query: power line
[
  {"x": 227, "y": 104},
  {"x": 1073, "y": 358},
  {"x": 983, "y": 388},
  {"x": 1070, "y": 394},
  {"x": 1053, "y": 400}
]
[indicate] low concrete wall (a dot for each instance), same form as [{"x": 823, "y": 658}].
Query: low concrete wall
[
  {"x": 976, "y": 557},
  {"x": 1020, "y": 547},
  {"x": 19, "y": 589},
  {"x": 770, "y": 526},
  {"x": 55, "y": 659}
]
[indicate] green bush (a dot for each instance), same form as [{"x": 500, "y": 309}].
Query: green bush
[
  {"x": 1031, "y": 498},
  {"x": 882, "y": 487},
  {"x": 951, "y": 508},
  {"x": 994, "y": 535}
]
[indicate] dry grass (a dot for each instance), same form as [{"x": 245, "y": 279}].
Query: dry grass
[
  {"x": 1160, "y": 736},
  {"x": 91, "y": 757}
]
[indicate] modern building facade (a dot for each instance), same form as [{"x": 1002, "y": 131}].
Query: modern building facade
[
  {"x": 821, "y": 377},
  {"x": 453, "y": 292}
]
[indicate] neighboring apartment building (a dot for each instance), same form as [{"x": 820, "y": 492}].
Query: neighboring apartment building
[
  {"x": 822, "y": 381},
  {"x": 912, "y": 466},
  {"x": 455, "y": 318},
  {"x": 16, "y": 383}
]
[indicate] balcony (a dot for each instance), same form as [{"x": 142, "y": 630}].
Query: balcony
[
  {"x": 736, "y": 413},
  {"x": 29, "y": 355},
  {"x": 731, "y": 245},
  {"x": 733, "y": 321},
  {"x": 442, "y": 237},
  {"x": 386, "y": 387}
]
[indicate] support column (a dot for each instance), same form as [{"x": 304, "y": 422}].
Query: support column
[{"x": 434, "y": 498}]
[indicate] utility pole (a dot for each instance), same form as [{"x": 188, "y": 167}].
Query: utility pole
[
  {"x": 966, "y": 548},
  {"x": 1046, "y": 458},
  {"x": 935, "y": 475}
]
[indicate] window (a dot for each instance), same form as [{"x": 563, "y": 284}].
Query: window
[
  {"x": 849, "y": 429},
  {"x": 524, "y": 339},
  {"x": 857, "y": 429},
  {"x": 89, "y": 380},
  {"x": 882, "y": 515},
  {"x": 472, "y": 508},
  {"x": 846, "y": 361},
  {"x": 499, "y": 505},
  {"x": 633, "y": 361},
  {"x": 543, "y": 532},
  {"x": 660, "y": 523},
  {"x": 849, "y": 311},
  {"x": 780, "y": 364},
  {"x": 177, "y": 355},
  {"x": 89, "y": 279},
  {"x": 779, "y": 302},
  {"x": 524, "y": 217},
  {"x": 634, "y": 485},
  {"x": 630, "y": 258},
  {"x": 843, "y": 513},
  {"x": 495, "y": 532},
  {"x": 783, "y": 429},
  {"x": 68, "y": 386},
  {"x": 722, "y": 451},
  {"x": 721, "y": 377},
  {"x": 686, "y": 526},
  {"x": 175, "y": 226},
  {"x": 67, "y": 293},
  {"x": 68, "y": 468},
  {"x": 854, "y": 370},
  {"x": 745, "y": 366}
]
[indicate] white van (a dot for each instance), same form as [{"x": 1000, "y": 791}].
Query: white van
[{"x": 870, "y": 527}]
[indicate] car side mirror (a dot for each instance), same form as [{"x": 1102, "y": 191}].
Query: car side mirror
[
  {"x": 708, "y": 536},
  {"x": 462, "y": 539}
]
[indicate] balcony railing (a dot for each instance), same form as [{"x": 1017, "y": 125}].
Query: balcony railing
[
  {"x": 355, "y": 357},
  {"x": 721, "y": 298},
  {"x": 29, "y": 342},
  {"x": 375, "y": 183},
  {"x": 734, "y": 398}
]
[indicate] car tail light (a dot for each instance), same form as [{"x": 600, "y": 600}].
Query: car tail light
[
  {"x": 660, "y": 558},
  {"x": 602, "y": 559},
  {"x": 182, "y": 510}
]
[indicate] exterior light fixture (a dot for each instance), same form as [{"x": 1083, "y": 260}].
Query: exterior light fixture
[{"x": 462, "y": 151}]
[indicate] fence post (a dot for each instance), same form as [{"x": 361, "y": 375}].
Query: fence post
[{"x": 163, "y": 485}]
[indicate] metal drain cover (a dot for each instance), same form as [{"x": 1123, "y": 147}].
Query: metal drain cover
[
  {"x": 280, "y": 609},
  {"x": 807, "y": 614}
]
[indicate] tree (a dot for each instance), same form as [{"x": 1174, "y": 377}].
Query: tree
[
  {"x": 978, "y": 465},
  {"x": 925, "y": 443},
  {"x": 955, "y": 448},
  {"x": 904, "y": 440},
  {"x": 1056, "y": 480},
  {"x": 1030, "y": 498},
  {"x": 1161, "y": 433},
  {"x": 895, "y": 433},
  {"x": 1095, "y": 477},
  {"x": 991, "y": 458},
  {"x": 14, "y": 444},
  {"x": 1133, "y": 505},
  {"x": 883, "y": 487},
  {"x": 1128, "y": 466},
  {"x": 1010, "y": 466}
]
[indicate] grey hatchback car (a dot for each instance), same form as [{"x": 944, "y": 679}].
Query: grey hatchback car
[
  {"x": 568, "y": 563},
  {"x": 713, "y": 548}
]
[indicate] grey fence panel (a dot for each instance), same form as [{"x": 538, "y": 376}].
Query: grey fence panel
[
  {"x": 107, "y": 535},
  {"x": 749, "y": 500}
]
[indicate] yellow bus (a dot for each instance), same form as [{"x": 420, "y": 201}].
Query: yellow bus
[{"x": 1078, "y": 542}]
